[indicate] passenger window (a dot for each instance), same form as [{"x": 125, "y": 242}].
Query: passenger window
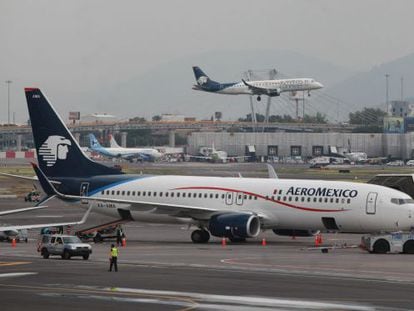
[
  {"x": 303, "y": 199},
  {"x": 309, "y": 199},
  {"x": 255, "y": 197},
  {"x": 217, "y": 195},
  {"x": 337, "y": 200},
  {"x": 166, "y": 194},
  {"x": 123, "y": 192},
  {"x": 320, "y": 200},
  {"x": 144, "y": 193},
  {"x": 160, "y": 194},
  {"x": 149, "y": 193},
  {"x": 332, "y": 199},
  {"x": 118, "y": 192},
  {"x": 155, "y": 194},
  {"x": 172, "y": 194},
  {"x": 326, "y": 200},
  {"x": 349, "y": 201},
  {"x": 222, "y": 196},
  {"x": 138, "y": 193},
  {"x": 200, "y": 195},
  {"x": 296, "y": 199},
  {"x": 183, "y": 194},
  {"x": 250, "y": 197},
  {"x": 315, "y": 199},
  {"x": 290, "y": 198},
  {"x": 205, "y": 195},
  {"x": 245, "y": 196},
  {"x": 284, "y": 199},
  {"x": 103, "y": 192},
  {"x": 133, "y": 193},
  {"x": 128, "y": 192},
  {"x": 178, "y": 194}
]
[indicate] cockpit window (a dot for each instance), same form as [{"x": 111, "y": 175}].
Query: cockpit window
[{"x": 402, "y": 201}]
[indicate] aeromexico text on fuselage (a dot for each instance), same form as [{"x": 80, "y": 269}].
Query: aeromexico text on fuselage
[{"x": 325, "y": 192}]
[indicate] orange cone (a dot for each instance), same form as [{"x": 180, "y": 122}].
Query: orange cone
[
  {"x": 264, "y": 242},
  {"x": 317, "y": 240},
  {"x": 223, "y": 242},
  {"x": 13, "y": 242},
  {"x": 320, "y": 238},
  {"x": 123, "y": 242}
]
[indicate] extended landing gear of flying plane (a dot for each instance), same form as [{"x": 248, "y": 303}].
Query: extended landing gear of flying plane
[{"x": 200, "y": 236}]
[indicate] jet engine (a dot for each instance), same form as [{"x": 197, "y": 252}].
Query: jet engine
[
  {"x": 294, "y": 232},
  {"x": 234, "y": 225}
]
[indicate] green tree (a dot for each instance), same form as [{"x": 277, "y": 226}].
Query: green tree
[{"x": 368, "y": 116}]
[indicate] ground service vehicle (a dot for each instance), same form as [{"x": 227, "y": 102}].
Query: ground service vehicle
[
  {"x": 396, "y": 242},
  {"x": 66, "y": 246}
]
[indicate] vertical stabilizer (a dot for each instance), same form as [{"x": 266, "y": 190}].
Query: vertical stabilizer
[{"x": 58, "y": 153}]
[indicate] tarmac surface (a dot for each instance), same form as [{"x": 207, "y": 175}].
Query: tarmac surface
[{"x": 161, "y": 269}]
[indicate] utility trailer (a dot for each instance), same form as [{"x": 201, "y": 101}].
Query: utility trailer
[{"x": 382, "y": 243}]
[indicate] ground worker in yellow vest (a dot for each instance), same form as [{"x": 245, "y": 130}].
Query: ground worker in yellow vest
[{"x": 113, "y": 258}]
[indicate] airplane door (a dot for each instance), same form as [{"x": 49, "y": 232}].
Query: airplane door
[
  {"x": 84, "y": 190},
  {"x": 239, "y": 198},
  {"x": 229, "y": 198},
  {"x": 371, "y": 206}
]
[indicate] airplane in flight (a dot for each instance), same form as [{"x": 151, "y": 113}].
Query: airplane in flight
[
  {"x": 235, "y": 208},
  {"x": 147, "y": 154},
  {"x": 270, "y": 88}
]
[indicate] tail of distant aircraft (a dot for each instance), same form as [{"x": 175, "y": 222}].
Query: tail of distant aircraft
[
  {"x": 93, "y": 142},
  {"x": 58, "y": 153},
  {"x": 112, "y": 142},
  {"x": 204, "y": 82}
]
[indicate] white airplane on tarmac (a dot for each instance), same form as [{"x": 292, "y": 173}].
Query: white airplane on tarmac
[
  {"x": 270, "y": 88},
  {"x": 236, "y": 208},
  {"x": 116, "y": 151}
]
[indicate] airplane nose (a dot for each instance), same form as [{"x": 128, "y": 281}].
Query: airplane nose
[{"x": 319, "y": 85}]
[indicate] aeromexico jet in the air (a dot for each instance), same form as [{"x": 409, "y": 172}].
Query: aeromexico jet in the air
[
  {"x": 261, "y": 87},
  {"x": 116, "y": 151},
  {"x": 237, "y": 208}
]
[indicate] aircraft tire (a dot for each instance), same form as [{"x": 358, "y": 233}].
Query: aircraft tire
[{"x": 200, "y": 236}]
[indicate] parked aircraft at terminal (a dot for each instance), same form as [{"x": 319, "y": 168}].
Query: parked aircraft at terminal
[
  {"x": 261, "y": 87},
  {"x": 237, "y": 208},
  {"x": 115, "y": 151}
]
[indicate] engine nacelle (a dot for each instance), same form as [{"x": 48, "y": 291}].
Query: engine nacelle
[
  {"x": 294, "y": 232},
  {"x": 234, "y": 225}
]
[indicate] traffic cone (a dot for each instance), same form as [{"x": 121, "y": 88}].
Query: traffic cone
[
  {"x": 123, "y": 242},
  {"x": 223, "y": 242},
  {"x": 13, "y": 242},
  {"x": 264, "y": 242},
  {"x": 320, "y": 238},
  {"x": 293, "y": 237},
  {"x": 317, "y": 240}
]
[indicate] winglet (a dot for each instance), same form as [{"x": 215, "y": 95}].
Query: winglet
[
  {"x": 44, "y": 182},
  {"x": 271, "y": 171}
]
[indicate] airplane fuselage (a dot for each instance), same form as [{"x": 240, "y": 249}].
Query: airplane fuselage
[
  {"x": 273, "y": 87},
  {"x": 281, "y": 203}
]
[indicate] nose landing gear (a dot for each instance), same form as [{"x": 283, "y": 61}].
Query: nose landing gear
[{"x": 259, "y": 98}]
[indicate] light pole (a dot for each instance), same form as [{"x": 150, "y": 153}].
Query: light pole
[
  {"x": 386, "y": 90},
  {"x": 8, "y": 100}
]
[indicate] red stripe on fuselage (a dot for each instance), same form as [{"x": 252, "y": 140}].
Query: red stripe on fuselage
[{"x": 264, "y": 198}]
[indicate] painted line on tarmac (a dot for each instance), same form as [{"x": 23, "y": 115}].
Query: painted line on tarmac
[
  {"x": 16, "y": 274},
  {"x": 13, "y": 263}
]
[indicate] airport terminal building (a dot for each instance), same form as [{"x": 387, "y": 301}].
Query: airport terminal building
[{"x": 306, "y": 145}]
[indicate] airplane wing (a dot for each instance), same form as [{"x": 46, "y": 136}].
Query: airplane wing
[
  {"x": 35, "y": 226},
  {"x": 27, "y": 178},
  {"x": 200, "y": 157},
  {"x": 21, "y": 210},
  {"x": 262, "y": 90}
]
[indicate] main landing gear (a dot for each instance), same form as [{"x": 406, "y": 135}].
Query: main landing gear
[{"x": 200, "y": 236}]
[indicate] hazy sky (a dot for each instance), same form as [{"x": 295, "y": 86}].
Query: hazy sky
[{"x": 86, "y": 45}]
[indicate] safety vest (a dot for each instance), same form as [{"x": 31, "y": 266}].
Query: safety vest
[{"x": 114, "y": 252}]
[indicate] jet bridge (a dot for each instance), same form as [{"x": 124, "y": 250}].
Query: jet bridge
[{"x": 402, "y": 182}]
